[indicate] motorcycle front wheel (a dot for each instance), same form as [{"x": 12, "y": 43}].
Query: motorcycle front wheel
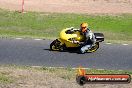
[{"x": 56, "y": 46}]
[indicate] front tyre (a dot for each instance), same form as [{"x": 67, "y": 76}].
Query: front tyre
[{"x": 56, "y": 46}]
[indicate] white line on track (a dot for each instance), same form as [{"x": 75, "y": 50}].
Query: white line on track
[
  {"x": 82, "y": 68},
  {"x": 37, "y": 39},
  {"x": 108, "y": 43},
  {"x": 70, "y": 67},
  {"x": 125, "y": 44},
  {"x": 42, "y": 39},
  {"x": 58, "y": 67},
  {"x": 18, "y": 38}
]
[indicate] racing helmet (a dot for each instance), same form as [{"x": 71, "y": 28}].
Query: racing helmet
[{"x": 83, "y": 27}]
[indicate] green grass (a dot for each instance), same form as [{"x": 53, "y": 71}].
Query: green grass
[
  {"x": 70, "y": 74},
  {"x": 48, "y": 25},
  {"x": 64, "y": 73},
  {"x": 5, "y": 79}
]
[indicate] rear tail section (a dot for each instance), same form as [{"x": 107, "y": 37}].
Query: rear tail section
[{"x": 99, "y": 37}]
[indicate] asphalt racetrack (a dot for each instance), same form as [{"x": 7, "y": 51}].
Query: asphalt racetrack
[{"x": 36, "y": 53}]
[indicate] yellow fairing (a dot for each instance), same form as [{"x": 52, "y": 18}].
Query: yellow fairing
[{"x": 64, "y": 38}]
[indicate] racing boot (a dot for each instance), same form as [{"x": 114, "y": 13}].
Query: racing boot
[{"x": 84, "y": 49}]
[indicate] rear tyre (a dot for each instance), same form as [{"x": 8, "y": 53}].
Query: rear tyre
[{"x": 94, "y": 48}]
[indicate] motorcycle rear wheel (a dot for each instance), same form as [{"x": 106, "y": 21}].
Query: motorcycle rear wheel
[{"x": 94, "y": 48}]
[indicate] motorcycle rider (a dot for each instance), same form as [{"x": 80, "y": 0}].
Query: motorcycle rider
[{"x": 89, "y": 38}]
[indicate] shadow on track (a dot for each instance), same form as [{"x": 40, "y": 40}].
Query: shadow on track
[{"x": 71, "y": 50}]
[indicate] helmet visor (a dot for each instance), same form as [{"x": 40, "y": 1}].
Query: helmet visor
[{"x": 84, "y": 29}]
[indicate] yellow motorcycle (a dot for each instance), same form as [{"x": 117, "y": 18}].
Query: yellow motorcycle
[{"x": 68, "y": 35}]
